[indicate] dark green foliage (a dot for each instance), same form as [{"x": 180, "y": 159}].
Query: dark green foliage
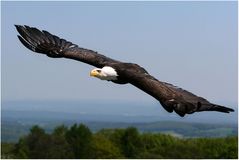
[
  {"x": 131, "y": 143},
  {"x": 79, "y": 142},
  {"x": 34, "y": 145},
  {"x": 104, "y": 148},
  {"x": 166, "y": 146},
  {"x": 59, "y": 146},
  {"x": 7, "y": 150},
  {"x": 38, "y": 144}
]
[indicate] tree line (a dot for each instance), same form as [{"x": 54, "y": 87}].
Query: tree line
[{"x": 79, "y": 142}]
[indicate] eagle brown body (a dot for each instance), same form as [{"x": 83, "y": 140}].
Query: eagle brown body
[{"x": 171, "y": 97}]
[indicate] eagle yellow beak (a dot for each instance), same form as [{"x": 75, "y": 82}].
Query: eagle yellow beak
[{"x": 93, "y": 73}]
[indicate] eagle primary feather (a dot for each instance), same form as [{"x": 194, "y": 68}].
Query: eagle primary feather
[{"x": 171, "y": 97}]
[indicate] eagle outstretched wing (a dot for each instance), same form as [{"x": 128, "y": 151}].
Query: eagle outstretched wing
[
  {"x": 55, "y": 47},
  {"x": 171, "y": 97}
]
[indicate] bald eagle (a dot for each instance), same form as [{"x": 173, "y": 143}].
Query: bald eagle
[{"x": 172, "y": 98}]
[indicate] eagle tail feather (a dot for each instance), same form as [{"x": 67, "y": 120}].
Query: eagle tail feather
[{"x": 215, "y": 107}]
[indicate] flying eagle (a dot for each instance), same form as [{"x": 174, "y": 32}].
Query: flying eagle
[{"x": 172, "y": 98}]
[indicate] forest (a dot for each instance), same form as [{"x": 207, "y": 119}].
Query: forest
[{"x": 78, "y": 141}]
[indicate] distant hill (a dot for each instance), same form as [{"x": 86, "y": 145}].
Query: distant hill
[
  {"x": 18, "y": 117},
  {"x": 108, "y": 111},
  {"x": 13, "y": 129}
]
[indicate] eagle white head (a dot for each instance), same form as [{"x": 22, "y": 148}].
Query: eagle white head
[{"x": 106, "y": 73}]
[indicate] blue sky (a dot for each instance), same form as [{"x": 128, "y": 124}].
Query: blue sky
[{"x": 190, "y": 44}]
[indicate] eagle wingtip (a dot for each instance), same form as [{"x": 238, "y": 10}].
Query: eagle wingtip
[
  {"x": 231, "y": 110},
  {"x": 17, "y": 26}
]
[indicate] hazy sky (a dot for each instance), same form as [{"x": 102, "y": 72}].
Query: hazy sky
[{"x": 190, "y": 44}]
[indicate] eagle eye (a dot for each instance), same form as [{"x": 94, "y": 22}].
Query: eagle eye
[{"x": 98, "y": 70}]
